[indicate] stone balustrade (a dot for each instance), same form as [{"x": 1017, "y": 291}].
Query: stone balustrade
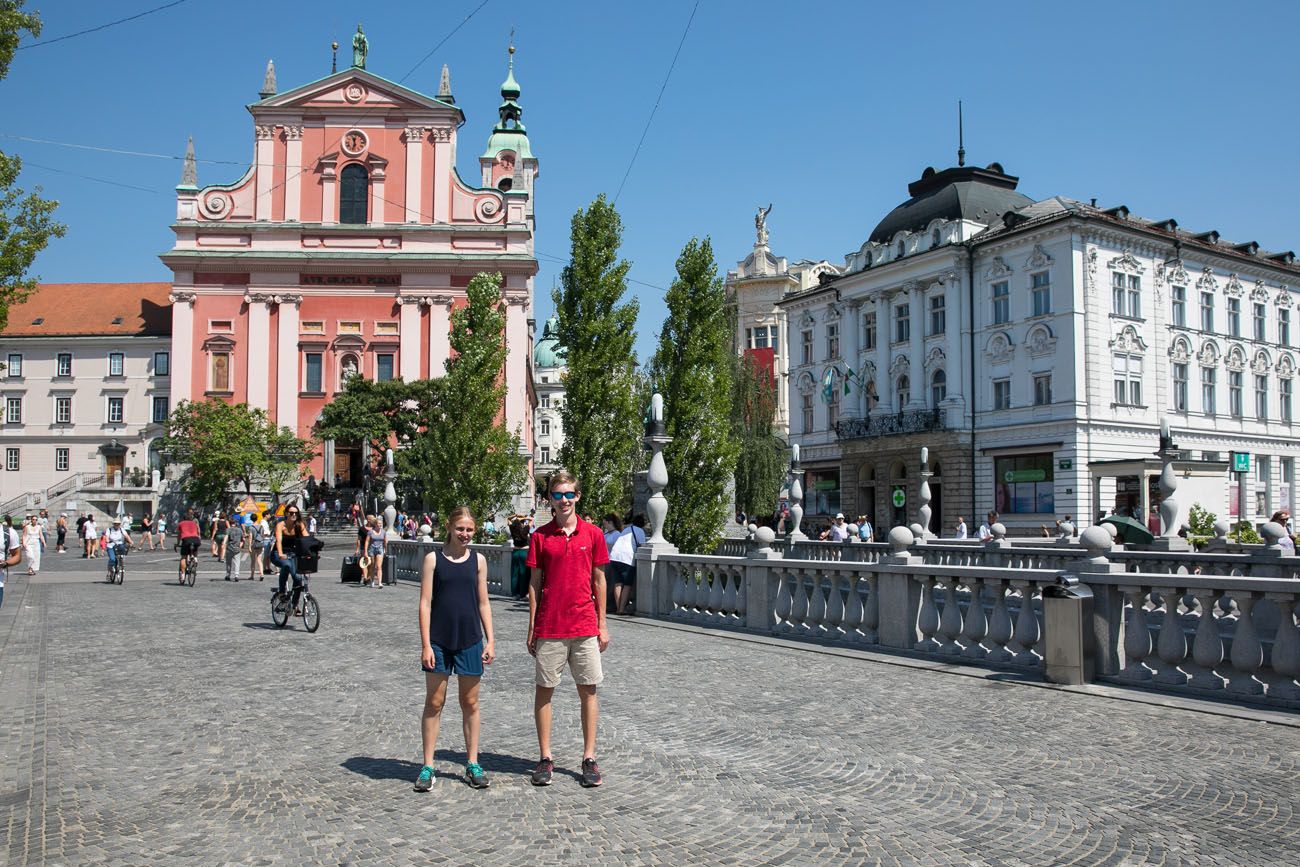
[{"x": 408, "y": 556}]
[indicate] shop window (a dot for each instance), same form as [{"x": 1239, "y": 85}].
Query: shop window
[{"x": 1024, "y": 484}]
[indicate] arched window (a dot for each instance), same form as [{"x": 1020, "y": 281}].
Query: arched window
[
  {"x": 938, "y": 388},
  {"x": 934, "y": 238},
  {"x": 900, "y": 248},
  {"x": 354, "y": 195},
  {"x": 904, "y": 392}
]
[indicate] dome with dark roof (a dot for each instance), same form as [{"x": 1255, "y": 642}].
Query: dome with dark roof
[
  {"x": 547, "y": 352},
  {"x": 961, "y": 193}
]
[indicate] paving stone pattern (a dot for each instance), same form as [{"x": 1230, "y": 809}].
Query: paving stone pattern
[{"x": 155, "y": 724}]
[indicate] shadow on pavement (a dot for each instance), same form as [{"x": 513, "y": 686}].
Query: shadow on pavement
[{"x": 400, "y": 769}]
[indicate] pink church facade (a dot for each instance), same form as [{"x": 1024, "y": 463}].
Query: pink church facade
[{"x": 344, "y": 249}]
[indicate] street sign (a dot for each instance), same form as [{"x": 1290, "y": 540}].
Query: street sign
[
  {"x": 1065, "y": 464},
  {"x": 1241, "y": 462},
  {"x": 900, "y": 498}
]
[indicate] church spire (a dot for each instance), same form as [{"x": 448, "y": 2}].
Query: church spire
[
  {"x": 189, "y": 169},
  {"x": 510, "y": 111},
  {"x": 268, "y": 83},
  {"x": 444, "y": 87}
]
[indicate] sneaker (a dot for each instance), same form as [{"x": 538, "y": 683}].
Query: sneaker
[
  {"x": 425, "y": 781},
  {"x": 591, "y": 773},
  {"x": 475, "y": 777},
  {"x": 542, "y": 773}
]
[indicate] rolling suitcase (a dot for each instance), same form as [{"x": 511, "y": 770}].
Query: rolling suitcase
[{"x": 351, "y": 571}]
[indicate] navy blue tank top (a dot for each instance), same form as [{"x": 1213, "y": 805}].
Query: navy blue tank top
[{"x": 453, "y": 617}]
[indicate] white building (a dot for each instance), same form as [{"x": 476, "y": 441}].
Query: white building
[
  {"x": 548, "y": 383},
  {"x": 86, "y": 390},
  {"x": 1027, "y": 343},
  {"x": 755, "y": 287}
]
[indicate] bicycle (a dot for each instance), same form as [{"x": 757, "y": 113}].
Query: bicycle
[
  {"x": 191, "y": 572},
  {"x": 282, "y": 605},
  {"x": 117, "y": 566}
]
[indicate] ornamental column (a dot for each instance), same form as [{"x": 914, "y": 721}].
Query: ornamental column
[
  {"x": 259, "y": 344},
  {"x": 265, "y": 157},
  {"x": 916, "y": 346},
  {"x": 442, "y": 162},
  {"x": 286, "y": 362},
  {"x": 378, "y": 173},
  {"x": 182, "y": 380},
  {"x": 884, "y": 336},
  {"x": 293, "y": 174},
  {"x": 329, "y": 175},
  {"x": 516, "y": 362},
  {"x": 439, "y": 333},
  {"x": 414, "y": 143},
  {"x": 409, "y": 347}
]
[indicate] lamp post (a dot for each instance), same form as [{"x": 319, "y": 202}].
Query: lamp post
[
  {"x": 1168, "y": 540},
  {"x": 657, "y": 475},
  {"x": 796, "y": 497},
  {"x": 390, "y": 497}
]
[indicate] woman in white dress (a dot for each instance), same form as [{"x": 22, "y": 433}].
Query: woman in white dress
[
  {"x": 33, "y": 542},
  {"x": 92, "y": 537}
]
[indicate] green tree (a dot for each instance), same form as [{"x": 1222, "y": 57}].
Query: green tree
[
  {"x": 231, "y": 444},
  {"x": 600, "y": 413},
  {"x": 377, "y": 413},
  {"x": 761, "y": 455},
  {"x": 693, "y": 370},
  {"x": 26, "y": 220},
  {"x": 463, "y": 455}
]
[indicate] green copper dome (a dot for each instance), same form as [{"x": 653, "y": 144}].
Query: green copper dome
[{"x": 547, "y": 352}]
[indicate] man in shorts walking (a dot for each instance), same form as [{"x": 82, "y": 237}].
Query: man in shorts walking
[{"x": 566, "y": 619}]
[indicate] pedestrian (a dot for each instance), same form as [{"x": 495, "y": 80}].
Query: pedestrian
[
  {"x": 81, "y": 535},
  {"x": 1065, "y": 527},
  {"x": 92, "y": 536},
  {"x": 375, "y": 545},
  {"x": 622, "y": 563},
  {"x": 338, "y": 507},
  {"x": 33, "y": 544},
  {"x": 1283, "y": 519},
  {"x": 866, "y": 532},
  {"x": 456, "y": 628},
  {"x": 258, "y": 534},
  {"x": 986, "y": 529},
  {"x": 519, "y": 560},
  {"x": 489, "y": 529},
  {"x": 338, "y": 480},
  {"x": 961, "y": 527},
  {"x": 61, "y": 533},
  {"x": 566, "y": 619},
  {"x": 162, "y": 530},
  {"x": 838, "y": 531},
  {"x": 146, "y": 531},
  {"x": 236, "y": 541},
  {"x": 220, "y": 526},
  {"x": 312, "y": 525},
  {"x": 11, "y": 552}
]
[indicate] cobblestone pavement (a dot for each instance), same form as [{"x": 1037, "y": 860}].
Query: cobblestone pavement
[{"x": 155, "y": 724}]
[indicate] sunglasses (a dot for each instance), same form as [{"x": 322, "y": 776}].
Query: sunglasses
[
  {"x": 291, "y": 514},
  {"x": 564, "y": 495}
]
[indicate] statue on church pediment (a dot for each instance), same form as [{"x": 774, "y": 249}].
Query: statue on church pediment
[
  {"x": 360, "y": 48},
  {"x": 760, "y": 223}
]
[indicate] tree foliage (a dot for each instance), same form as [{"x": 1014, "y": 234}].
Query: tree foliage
[
  {"x": 377, "y": 413},
  {"x": 761, "y": 455},
  {"x": 462, "y": 454},
  {"x": 600, "y": 413},
  {"x": 693, "y": 368},
  {"x": 226, "y": 444},
  {"x": 26, "y": 220}
]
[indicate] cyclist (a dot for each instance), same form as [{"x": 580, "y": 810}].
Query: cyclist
[
  {"x": 118, "y": 540},
  {"x": 289, "y": 534},
  {"x": 188, "y": 540}
]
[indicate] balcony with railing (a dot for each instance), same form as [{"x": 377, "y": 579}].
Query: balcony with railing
[{"x": 889, "y": 424}]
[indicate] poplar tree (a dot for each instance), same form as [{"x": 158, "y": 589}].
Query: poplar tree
[
  {"x": 761, "y": 457},
  {"x": 600, "y": 413},
  {"x": 693, "y": 368}
]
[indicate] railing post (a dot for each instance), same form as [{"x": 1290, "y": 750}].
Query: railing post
[
  {"x": 900, "y": 595},
  {"x": 758, "y": 604},
  {"x": 1107, "y": 601}
]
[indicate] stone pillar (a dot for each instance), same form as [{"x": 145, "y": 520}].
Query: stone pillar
[
  {"x": 516, "y": 361},
  {"x": 443, "y": 158},
  {"x": 916, "y": 347},
  {"x": 899, "y": 595},
  {"x": 265, "y": 157},
  {"x": 884, "y": 324},
  {"x": 259, "y": 345},
  {"x": 793, "y": 533},
  {"x": 414, "y": 164},
  {"x": 1107, "y": 600},
  {"x": 292, "y": 174},
  {"x": 850, "y": 332},
  {"x": 286, "y": 362},
  {"x": 439, "y": 333},
  {"x": 923, "y": 513},
  {"x": 183, "y": 357},
  {"x": 329, "y": 194},
  {"x": 409, "y": 357},
  {"x": 1168, "y": 540},
  {"x": 378, "y": 173}
]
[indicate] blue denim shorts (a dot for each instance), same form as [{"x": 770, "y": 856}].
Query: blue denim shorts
[{"x": 467, "y": 662}]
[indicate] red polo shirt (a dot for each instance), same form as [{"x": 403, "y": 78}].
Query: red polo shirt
[{"x": 566, "y": 609}]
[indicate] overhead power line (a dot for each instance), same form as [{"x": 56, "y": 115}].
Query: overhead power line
[{"x": 102, "y": 26}]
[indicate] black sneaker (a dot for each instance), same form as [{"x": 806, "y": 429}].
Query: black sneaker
[
  {"x": 475, "y": 777},
  {"x": 591, "y": 774},
  {"x": 542, "y": 773},
  {"x": 425, "y": 781}
]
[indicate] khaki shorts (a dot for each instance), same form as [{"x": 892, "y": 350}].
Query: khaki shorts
[{"x": 582, "y": 655}]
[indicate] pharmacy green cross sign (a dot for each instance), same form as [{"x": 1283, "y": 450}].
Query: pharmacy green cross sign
[{"x": 900, "y": 498}]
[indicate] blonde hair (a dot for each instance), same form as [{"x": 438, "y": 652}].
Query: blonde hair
[
  {"x": 562, "y": 477},
  {"x": 457, "y": 514}
]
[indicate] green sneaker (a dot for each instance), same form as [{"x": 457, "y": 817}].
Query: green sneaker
[
  {"x": 425, "y": 781},
  {"x": 475, "y": 777}
]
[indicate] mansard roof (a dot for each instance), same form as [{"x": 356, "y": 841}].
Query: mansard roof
[{"x": 959, "y": 193}]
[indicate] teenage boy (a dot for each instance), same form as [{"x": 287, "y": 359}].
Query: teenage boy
[{"x": 566, "y": 619}]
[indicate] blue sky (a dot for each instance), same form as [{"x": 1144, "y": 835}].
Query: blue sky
[{"x": 825, "y": 109}]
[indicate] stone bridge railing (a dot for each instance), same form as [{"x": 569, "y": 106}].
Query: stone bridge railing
[
  {"x": 1229, "y": 631},
  {"x": 409, "y": 555}
]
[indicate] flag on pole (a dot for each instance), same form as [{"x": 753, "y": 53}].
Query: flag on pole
[
  {"x": 828, "y": 385},
  {"x": 848, "y": 376}
]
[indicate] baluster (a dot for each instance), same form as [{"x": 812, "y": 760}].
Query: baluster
[
  {"x": 853, "y": 612},
  {"x": 715, "y": 592},
  {"x": 1027, "y": 629},
  {"x": 696, "y": 593},
  {"x": 1286, "y": 649},
  {"x": 999, "y": 634},
  {"x": 799, "y": 604},
  {"x": 741, "y": 597},
  {"x": 835, "y": 609},
  {"x": 871, "y": 612},
  {"x": 1172, "y": 647},
  {"x": 977, "y": 624},
  {"x": 928, "y": 617},
  {"x": 950, "y": 621},
  {"x": 675, "y": 574},
  {"x": 1207, "y": 646},
  {"x": 1137, "y": 636},
  {"x": 784, "y": 604},
  {"x": 817, "y": 608},
  {"x": 728, "y": 610},
  {"x": 1247, "y": 653}
]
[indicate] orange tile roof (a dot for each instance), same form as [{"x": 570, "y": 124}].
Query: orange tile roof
[{"x": 88, "y": 309}]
